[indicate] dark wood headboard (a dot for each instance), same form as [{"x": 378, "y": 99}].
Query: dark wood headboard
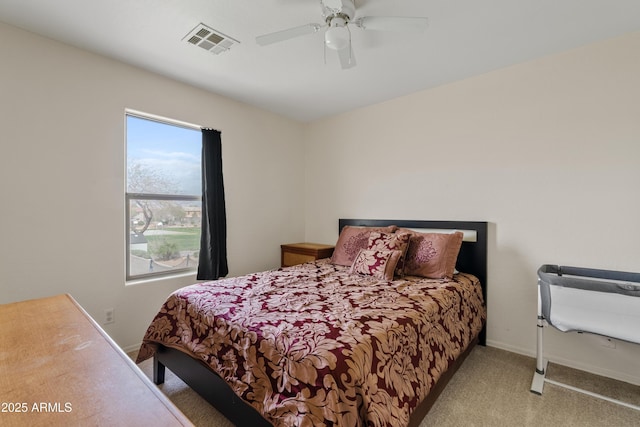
[{"x": 472, "y": 258}]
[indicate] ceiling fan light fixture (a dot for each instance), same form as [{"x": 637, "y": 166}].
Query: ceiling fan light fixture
[{"x": 337, "y": 36}]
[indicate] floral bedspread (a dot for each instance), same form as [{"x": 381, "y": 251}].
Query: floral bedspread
[{"x": 312, "y": 345}]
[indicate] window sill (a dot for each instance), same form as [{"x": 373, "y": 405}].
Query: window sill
[{"x": 164, "y": 278}]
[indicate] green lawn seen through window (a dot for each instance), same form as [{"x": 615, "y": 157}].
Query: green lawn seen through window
[{"x": 186, "y": 239}]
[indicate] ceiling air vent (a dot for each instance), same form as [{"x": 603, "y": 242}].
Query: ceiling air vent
[{"x": 209, "y": 39}]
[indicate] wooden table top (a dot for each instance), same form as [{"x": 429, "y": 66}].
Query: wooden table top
[{"x": 58, "y": 367}]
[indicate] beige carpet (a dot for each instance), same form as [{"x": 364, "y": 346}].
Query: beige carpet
[{"x": 490, "y": 389}]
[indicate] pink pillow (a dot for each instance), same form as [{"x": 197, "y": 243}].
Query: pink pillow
[
  {"x": 379, "y": 264},
  {"x": 351, "y": 240},
  {"x": 433, "y": 255}
]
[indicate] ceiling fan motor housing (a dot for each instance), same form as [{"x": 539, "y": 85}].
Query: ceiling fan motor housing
[{"x": 344, "y": 9}]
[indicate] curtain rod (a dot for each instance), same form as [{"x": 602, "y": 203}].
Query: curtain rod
[{"x": 157, "y": 118}]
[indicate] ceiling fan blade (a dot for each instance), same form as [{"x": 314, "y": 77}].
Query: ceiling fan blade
[
  {"x": 347, "y": 59},
  {"x": 290, "y": 33},
  {"x": 392, "y": 23}
]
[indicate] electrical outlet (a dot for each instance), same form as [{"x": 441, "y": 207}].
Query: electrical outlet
[{"x": 109, "y": 316}]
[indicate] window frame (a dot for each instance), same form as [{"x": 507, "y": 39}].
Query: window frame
[{"x": 129, "y": 197}]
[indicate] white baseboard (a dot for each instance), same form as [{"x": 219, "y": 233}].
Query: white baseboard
[
  {"x": 132, "y": 348},
  {"x": 597, "y": 370}
]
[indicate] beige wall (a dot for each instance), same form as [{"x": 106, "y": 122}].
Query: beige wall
[
  {"x": 62, "y": 221},
  {"x": 547, "y": 151}
]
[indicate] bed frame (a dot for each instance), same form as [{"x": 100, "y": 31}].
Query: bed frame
[{"x": 195, "y": 373}]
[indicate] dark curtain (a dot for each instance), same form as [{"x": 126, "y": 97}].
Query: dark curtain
[{"x": 213, "y": 241}]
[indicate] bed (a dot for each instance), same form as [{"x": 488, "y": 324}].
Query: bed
[{"x": 337, "y": 341}]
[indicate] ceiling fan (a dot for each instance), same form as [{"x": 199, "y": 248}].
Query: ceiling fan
[{"x": 338, "y": 15}]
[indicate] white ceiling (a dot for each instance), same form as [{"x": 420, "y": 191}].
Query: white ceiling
[{"x": 464, "y": 38}]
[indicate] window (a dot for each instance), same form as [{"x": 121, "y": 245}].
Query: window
[{"x": 163, "y": 196}]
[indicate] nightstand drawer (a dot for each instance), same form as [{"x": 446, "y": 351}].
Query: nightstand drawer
[
  {"x": 290, "y": 258},
  {"x": 298, "y": 253}
]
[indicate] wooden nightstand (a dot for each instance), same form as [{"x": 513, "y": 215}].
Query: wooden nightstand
[{"x": 298, "y": 253}]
